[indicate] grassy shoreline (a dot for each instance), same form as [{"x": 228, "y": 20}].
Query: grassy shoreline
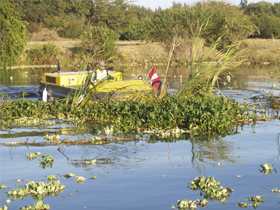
[{"x": 253, "y": 51}]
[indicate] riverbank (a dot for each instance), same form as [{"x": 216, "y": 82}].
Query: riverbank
[{"x": 253, "y": 51}]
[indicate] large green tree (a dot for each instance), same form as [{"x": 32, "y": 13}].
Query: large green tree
[
  {"x": 223, "y": 20},
  {"x": 218, "y": 18},
  {"x": 13, "y": 38},
  {"x": 266, "y": 17},
  {"x": 116, "y": 15}
]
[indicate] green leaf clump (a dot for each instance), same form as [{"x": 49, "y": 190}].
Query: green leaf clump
[
  {"x": 31, "y": 156},
  {"x": 37, "y": 206},
  {"x": 266, "y": 168},
  {"x": 46, "y": 161},
  {"x": 80, "y": 179},
  {"x": 199, "y": 115},
  {"x": 189, "y": 204},
  {"x": 256, "y": 201},
  {"x": 4, "y": 207},
  {"x": 38, "y": 190},
  {"x": 210, "y": 188},
  {"x": 52, "y": 138}
]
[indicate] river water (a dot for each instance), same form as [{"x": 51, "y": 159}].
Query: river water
[{"x": 147, "y": 172}]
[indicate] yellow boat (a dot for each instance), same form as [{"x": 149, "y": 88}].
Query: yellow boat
[{"x": 58, "y": 85}]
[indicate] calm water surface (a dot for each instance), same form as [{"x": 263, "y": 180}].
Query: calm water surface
[{"x": 146, "y": 172}]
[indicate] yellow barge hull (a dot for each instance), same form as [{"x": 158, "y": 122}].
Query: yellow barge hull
[{"x": 60, "y": 85}]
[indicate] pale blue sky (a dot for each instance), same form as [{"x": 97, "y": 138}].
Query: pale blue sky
[{"x": 153, "y": 4}]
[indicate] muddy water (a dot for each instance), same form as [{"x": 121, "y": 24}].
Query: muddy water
[{"x": 147, "y": 172}]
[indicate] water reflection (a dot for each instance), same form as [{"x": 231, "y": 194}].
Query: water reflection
[
  {"x": 276, "y": 157},
  {"x": 204, "y": 151}
]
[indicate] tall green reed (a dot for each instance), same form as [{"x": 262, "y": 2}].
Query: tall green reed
[{"x": 204, "y": 73}]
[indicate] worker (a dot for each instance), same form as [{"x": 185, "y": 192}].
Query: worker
[{"x": 100, "y": 73}]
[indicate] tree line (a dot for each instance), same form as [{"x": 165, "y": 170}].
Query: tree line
[{"x": 100, "y": 23}]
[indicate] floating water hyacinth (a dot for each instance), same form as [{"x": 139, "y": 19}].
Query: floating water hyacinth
[
  {"x": 46, "y": 161},
  {"x": 3, "y": 186},
  {"x": 108, "y": 130},
  {"x": 256, "y": 201},
  {"x": 32, "y": 121},
  {"x": 39, "y": 205},
  {"x": 31, "y": 156},
  {"x": 210, "y": 188},
  {"x": 275, "y": 190},
  {"x": 38, "y": 190},
  {"x": 4, "y": 208},
  {"x": 51, "y": 177},
  {"x": 189, "y": 204},
  {"x": 266, "y": 168},
  {"x": 80, "y": 179},
  {"x": 52, "y": 138}
]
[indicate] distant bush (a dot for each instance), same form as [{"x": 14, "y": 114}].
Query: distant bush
[
  {"x": 43, "y": 54},
  {"x": 71, "y": 29},
  {"x": 98, "y": 41},
  {"x": 13, "y": 34}
]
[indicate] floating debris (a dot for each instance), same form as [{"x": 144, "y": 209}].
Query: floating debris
[
  {"x": 94, "y": 177},
  {"x": 69, "y": 175}
]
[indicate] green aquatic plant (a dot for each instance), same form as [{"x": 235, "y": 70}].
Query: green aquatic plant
[
  {"x": 31, "y": 156},
  {"x": 33, "y": 121},
  {"x": 37, "y": 206},
  {"x": 210, "y": 188},
  {"x": 3, "y": 186},
  {"x": 38, "y": 190},
  {"x": 80, "y": 179},
  {"x": 4, "y": 97},
  {"x": 46, "y": 161},
  {"x": 266, "y": 168},
  {"x": 52, "y": 138},
  {"x": 201, "y": 115},
  {"x": 189, "y": 204},
  {"x": 51, "y": 177},
  {"x": 256, "y": 201},
  {"x": 4, "y": 207},
  {"x": 204, "y": 74},
  {"x": 275, "y": 190}
]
